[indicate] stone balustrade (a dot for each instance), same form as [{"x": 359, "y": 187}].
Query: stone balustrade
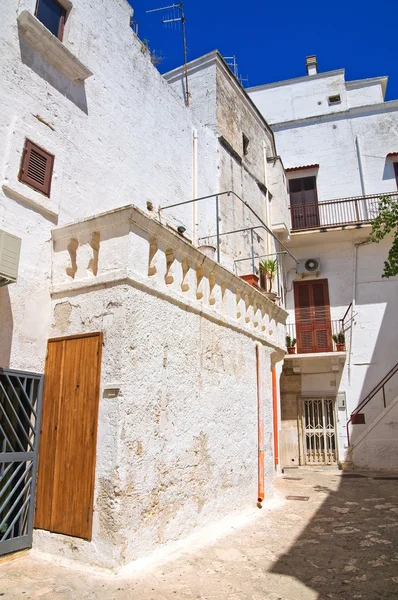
[{"x": 126, "y": 246}]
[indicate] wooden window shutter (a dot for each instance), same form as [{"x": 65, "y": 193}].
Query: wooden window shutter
[
  {"x": 37, "y": 168},
  {"x": 313, "y": 326}
]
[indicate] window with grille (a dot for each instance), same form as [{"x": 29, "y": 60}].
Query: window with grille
[
  {"x": 37, "y": 168},
  {"x": 52, "y": 15}
]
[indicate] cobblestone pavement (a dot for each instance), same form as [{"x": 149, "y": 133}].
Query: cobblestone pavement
[{"x": 340, "y": 544}]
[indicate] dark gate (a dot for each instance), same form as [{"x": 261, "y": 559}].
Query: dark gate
[{"x": 20, "y": 412}]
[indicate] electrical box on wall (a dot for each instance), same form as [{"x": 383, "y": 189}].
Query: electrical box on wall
[
  {"x": 10, "y": 248},
  {"x": 309, "y": 266},
  {"x": 341, "y": 401}
]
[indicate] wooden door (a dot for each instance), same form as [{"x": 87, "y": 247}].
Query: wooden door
[
  {"x": 65, "y": 488},
  {"x": 304, "y": 203},
  {"x": 313, "y": 326}
]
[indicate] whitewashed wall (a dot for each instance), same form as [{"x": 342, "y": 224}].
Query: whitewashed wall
[{"x": 122, "y": 136}]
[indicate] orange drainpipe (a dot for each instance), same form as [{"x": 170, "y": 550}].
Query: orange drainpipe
[
  {"x": 275, "y": 411},
  {"x": 260, "y": 413}
]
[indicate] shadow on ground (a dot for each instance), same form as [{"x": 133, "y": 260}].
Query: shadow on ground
[{"x": 349, "y": 549}]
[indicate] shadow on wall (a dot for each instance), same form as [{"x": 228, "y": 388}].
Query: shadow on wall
[
  {"x": 6, "y": 327},
  {"x": 349, "y": 549},
  {"x": 73, "y": 90},
  {"x": 385, "y": 352}
]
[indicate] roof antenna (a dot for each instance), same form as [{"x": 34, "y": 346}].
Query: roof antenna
[
  {"x": 233, "y": 65},
  {"x": 177, "y": 15}
]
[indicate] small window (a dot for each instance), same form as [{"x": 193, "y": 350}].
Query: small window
[
  {"x": 245, "y": 143},
  {"x": 52, "y": 15},
  {"x": 396, "y": 172},
  {"x": 37, "y": 168},
  {"x": 334, "y": 99}
]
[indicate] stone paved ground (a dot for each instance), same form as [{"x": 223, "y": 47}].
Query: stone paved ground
[{"x": 340, "y": 544}]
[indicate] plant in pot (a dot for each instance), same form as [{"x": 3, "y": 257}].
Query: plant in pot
[
  {"x": 290, "y": 344},
  {"x": 268, "y": 270},
  {"x": 339, "y": 340}
]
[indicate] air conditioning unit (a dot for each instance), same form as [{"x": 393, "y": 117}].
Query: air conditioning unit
[
  {"x": 309, "y": 266},
  {"x": 10, "y": 248}
]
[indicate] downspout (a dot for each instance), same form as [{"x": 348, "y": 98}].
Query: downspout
[
  {"x": 360, "y": 165},
  {"x": 275, "y": 415},
  {"x": 260, "y": 425},
  {"x": 267, "y": 212},
  {"x": 195, "y": 224}
]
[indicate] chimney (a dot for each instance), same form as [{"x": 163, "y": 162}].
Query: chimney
[{"x": 311, "y": 64}]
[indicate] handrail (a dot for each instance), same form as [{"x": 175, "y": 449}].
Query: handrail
[
  {"x": 228, "y": 193},
  {"x": 371, "y": 395},
  {"x": 337, "y": 213}
]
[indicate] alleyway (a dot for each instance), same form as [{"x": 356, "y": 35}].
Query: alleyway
[{"x": 340, "y": 544}]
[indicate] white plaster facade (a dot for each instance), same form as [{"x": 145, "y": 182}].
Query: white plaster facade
[
  {"x": 178, "y": 447},
  {"x": 346, "y": 147}
]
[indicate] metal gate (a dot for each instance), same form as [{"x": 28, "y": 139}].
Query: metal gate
[
  {"x": 319, "y": 427},
  {"x": 20, "y": 411}
]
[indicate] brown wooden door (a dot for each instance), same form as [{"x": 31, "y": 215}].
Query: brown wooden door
[
  {"x": 65, "y": 486},
  {"x": 304, "y": 203},
  {"x": 313, "y": 326}
]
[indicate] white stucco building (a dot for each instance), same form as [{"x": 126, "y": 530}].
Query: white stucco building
[
  {"x": 157, "y": 405},
  {"x": 338, "y": 140}
]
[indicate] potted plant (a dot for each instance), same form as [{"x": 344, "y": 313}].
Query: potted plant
[
  {"x": 251, "y": 278},
  {"x": 290, "y": 344},
  {"x": 268, "y": 270},
  {"x": 339, "y": 340}
]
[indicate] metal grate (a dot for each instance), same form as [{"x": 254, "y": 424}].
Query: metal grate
[
  {"x": 319, "y": 431},
  {"x": 20, "y": 409}
]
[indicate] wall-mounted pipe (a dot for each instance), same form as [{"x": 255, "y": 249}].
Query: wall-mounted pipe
[
  {"x": 360, "y": 165},
  {"x": 267, "y": 211},
  {"x": 195, "y": 224},
  {"x": 260, "y": 425},
  {"x": 275, "y": 417}
]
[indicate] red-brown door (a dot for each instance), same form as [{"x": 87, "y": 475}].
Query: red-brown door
[{"x": 312, "y": 308}]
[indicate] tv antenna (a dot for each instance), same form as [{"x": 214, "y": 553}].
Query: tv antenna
[
  {"x": 176, "y": 16},
  {"x": 233, "y": 65}
]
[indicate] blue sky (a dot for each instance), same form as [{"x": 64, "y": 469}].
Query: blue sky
[{"x": 272, "y": 38}]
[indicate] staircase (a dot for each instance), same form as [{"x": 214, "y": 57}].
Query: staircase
[{"x": 376, "y": 447}]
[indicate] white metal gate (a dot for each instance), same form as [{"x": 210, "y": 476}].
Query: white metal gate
[{"x": 319, "y": 431}]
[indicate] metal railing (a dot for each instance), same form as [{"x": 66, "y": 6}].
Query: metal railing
[
  {"x": 337, "y": 213},
  {"x": 336, "y": 326},
  {"x": 370, "y": 396}
]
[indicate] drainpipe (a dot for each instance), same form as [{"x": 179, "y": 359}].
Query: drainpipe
[
  {"x": 260, "y": 423},
  {"x": 275, "y": 415},
  {"x": 195, "y": 224},
  {"x": 360, "y": 165},
  {"x": 267, "y": 211}
]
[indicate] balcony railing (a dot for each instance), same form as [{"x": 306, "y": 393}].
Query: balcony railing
[
  {"x": 314, "y": 336},
  {"x": 337, "y": 213}
]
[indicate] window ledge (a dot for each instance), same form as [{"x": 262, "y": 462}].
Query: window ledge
[{"x": 40, "y": 38}]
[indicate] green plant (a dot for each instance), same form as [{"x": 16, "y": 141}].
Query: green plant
[
  {"x": 290, "y": 342},
  {"x": 339, "y": 338},
  {"x": 385, "y": 223},
  {"x": 269, "y": 267}
]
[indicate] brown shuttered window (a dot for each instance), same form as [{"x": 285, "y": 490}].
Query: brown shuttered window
[
  {"x": 313, "y": 325},
  {"x": 37, "y": 168}
]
